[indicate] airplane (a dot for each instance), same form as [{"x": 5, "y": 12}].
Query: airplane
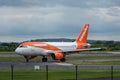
[{"x": 57, "y": 50}]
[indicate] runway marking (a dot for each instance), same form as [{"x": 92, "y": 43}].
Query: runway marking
[{"x": 63, "y": 64}]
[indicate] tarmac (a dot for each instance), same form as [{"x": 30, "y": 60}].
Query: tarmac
[{"x": 53, "y": 65}]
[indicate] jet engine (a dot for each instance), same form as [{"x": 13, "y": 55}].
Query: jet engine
[{"x": 57, "y": 56}]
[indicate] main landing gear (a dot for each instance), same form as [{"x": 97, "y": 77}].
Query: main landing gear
[{"x": 44, "y": 59}]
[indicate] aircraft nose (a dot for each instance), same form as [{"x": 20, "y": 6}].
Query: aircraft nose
[{"x": 18, "y": 51}]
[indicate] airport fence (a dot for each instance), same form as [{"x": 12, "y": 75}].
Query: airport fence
[{"x": 60, "y": 72}]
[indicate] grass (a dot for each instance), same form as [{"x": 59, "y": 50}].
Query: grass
[
  {"x": 20, "y": 59},
  {"x": 11, "y": 59},
  {"x": 7, "y": 52},
  {"x": 57, "y": 74}
]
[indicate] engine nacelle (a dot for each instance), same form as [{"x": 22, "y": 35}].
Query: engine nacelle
[{"x": 57, "y": 56}]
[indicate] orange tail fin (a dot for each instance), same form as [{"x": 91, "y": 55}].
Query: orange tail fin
[{"x": 82, "y": 38}]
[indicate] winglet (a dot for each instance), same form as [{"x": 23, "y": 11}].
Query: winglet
[{"x": 82, "y": 38}]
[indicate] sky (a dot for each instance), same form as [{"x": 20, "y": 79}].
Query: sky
[{"x": 22, "y": 20}]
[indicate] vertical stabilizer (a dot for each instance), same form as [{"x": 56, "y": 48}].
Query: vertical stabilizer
[{"x": 82, "y": 38}]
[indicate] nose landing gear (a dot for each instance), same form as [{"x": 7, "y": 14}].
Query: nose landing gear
[{"x": 26, "y": 58}]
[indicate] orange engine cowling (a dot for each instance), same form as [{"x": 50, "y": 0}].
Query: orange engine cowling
[{"x": 57, "y": 56}]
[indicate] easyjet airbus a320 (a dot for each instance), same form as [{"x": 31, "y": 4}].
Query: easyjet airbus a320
[{"x": 57, "y": 50}]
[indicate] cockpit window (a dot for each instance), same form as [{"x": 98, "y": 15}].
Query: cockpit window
[{"x": 22, "y": 46}]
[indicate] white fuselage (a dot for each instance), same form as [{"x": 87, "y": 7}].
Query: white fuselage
[
  {"x": 36, "y": 49},
  {"x": 64, "y": 45}
]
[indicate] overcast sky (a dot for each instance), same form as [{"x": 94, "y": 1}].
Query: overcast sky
[{"x": 22, "y": 20}]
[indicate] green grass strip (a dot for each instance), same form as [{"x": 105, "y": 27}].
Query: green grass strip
[{"x": 57, "y": 74}]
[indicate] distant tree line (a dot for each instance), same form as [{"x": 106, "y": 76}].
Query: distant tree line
[
  {"x": 8, "y": 46},
  {"x": 108, "y": 45}
]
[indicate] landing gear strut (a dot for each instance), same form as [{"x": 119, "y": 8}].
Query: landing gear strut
[
  {"x": 44, "y": 59},
  {"x": 26, "y": 58}
]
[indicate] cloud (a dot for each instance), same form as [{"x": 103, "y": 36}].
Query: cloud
[
  {"x": 68, "y": 3},
  {"x": 29, "y": 20},
  {"x": 62, "y": 18}
]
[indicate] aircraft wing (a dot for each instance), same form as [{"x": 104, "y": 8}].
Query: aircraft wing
[{"x": 80, "y": 50}]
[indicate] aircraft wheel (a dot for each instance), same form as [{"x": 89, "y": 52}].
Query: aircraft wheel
[
  {"x": 44, "y": 59},
  {"x": 63, "y": 60}
]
